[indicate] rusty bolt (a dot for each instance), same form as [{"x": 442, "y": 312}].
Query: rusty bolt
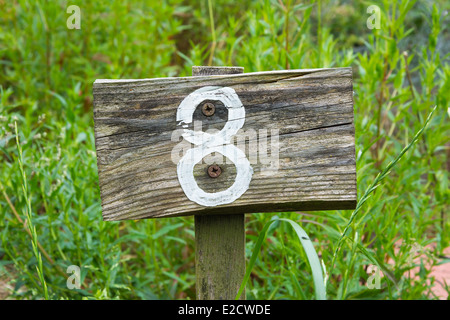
[
  {"x": 208, "y": 109},
  {"x": 214, "y": 171}
]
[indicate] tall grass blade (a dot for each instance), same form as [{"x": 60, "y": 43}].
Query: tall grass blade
[
  {"x": 311, "y": 253},
  {"x": 29, "y": 220}
]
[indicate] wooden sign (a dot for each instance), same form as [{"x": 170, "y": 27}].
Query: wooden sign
[{"x": 239, "y": 143}]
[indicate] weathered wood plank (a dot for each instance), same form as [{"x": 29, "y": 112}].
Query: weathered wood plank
[{"x": 312, "y": 110}]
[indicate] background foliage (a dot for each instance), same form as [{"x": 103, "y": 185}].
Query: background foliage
[{"x": 50, "y": 214}]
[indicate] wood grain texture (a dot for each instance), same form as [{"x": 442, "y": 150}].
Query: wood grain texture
[
  {"x": 312, "y": 110},
  {"x": 219, "y": 239},
  {"x": 219, "y": 256}
]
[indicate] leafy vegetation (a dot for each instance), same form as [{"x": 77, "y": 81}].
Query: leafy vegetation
[{"x": 50, "y": 213}]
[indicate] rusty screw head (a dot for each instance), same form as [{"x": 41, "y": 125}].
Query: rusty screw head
[
  {"x": 208, "y": 109},
  {"x": 214, "y": 171}
]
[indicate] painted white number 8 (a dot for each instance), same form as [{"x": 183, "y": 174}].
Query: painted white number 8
[{"x": 208, "y": 143}]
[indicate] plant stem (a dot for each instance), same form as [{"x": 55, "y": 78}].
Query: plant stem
[
  {"x": 213, "y": 33},
  {"x": 29, "y": 220},
  {"x": 41, "y": 248},
  {"x": 375, "y": 184}
]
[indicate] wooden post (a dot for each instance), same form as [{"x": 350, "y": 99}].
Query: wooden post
[{"x": 219, "y": 239}]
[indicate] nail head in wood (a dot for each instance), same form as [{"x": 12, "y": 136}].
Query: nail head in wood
[
  {"x": 208, "y": 109},
  {"x": 214, "y": 171}
]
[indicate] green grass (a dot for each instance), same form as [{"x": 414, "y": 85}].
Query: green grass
[{"x": 50, "y": 213}]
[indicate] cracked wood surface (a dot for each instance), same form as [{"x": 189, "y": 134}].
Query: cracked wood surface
[{"x": 312, "y": 109}]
